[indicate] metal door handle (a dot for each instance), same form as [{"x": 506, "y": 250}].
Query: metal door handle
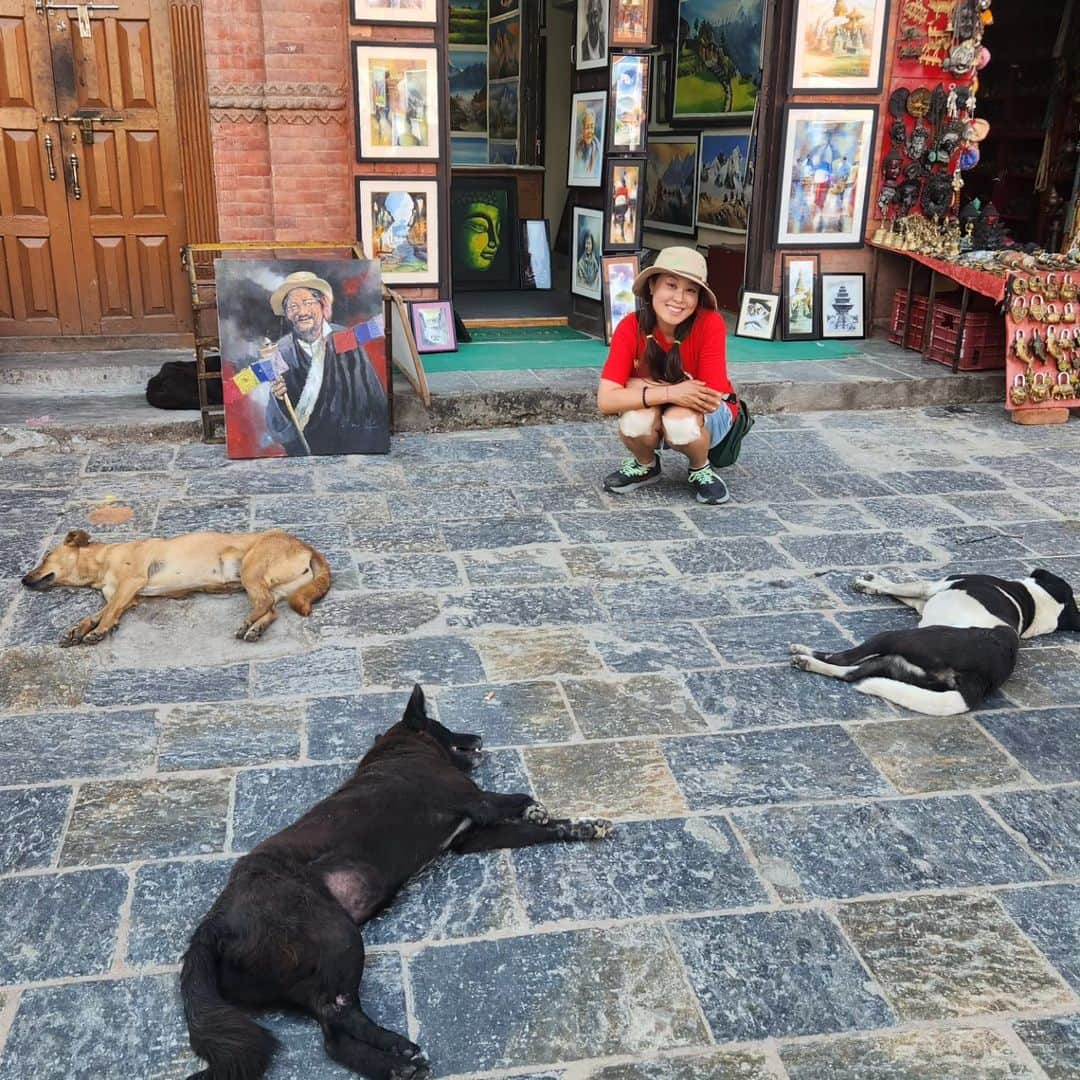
[
  {"x": 75, "y": 189},
  {"x": 49, "y": 157}
]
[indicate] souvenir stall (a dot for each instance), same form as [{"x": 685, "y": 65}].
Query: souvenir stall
[{"x": 977, "y": 190}]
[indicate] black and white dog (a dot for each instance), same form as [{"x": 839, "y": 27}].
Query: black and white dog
[{"x": 964, "y": 647}]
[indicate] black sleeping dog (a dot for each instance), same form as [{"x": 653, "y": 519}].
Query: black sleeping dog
[{"x": 286, "y": 928}]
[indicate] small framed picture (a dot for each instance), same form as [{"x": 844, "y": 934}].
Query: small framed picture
[
  {"x": 757, "y": 315},
  {"x": 624, "y": 185},
  {"x": 628, "y": 122},
  {"x": 395, "y": 11},
  {"x": 671, "y": 176},
  {"x": 726, "y": 183},
  {"x": 588, "y": 119},
  {"x": 397, "y": 102},
  {"x": 433, "y": 326},
  {"x": 592, "y": 34},
  {"x": 587, "y": 234},
  {"x": 535, "y": 253},
  {"x": 802, "y": 297},
  {"x": 399, "y": 226},
  {"x": 618, "y": 273},
  {"x": 632, "y": 24},
  {"x": 843, "y": 305}
]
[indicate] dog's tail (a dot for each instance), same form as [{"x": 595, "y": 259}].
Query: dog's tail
[
  {"x": 315, "y": 589},
  {"x": 235, "y": 1046}
]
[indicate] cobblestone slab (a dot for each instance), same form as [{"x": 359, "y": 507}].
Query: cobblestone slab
[
  {"x": 773, "y": 974},
  {"x": 138, "y": 686},
  {"x": 645, "y": 647},
  {"x": 1049, "y": 821},
  {"x": 1046, "y": 743},
  {"x": 535, "y": 654},
  {"x": 346, "y": 727},
  {"x": 1055, "y": 1045},
  {"x": 645, "y": 705},
  {"x": 957, "y": 955},
  {"x": 214, "y": 736},
  {"x": 647, "y": 868},
  {"x": 1051, "y": 918},
  {"x": 509, "y": 1009},
  {"x": 514, "y": 567},
  {"x": 33, "y": 823},
  {"x": 59, "y": 925},
  {"x": 443, "y": 661},
  {"x": 884, "y": 847},
  {"x": 971, "y": 1053},
  {"x": 508, "y": 714}
]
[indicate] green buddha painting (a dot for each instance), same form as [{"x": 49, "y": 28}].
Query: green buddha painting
[{"x": 482, "y": 226}]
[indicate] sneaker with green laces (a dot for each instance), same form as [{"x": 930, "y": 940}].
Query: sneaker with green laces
[
  {"x": 707, "y": 486},
  {"x": 632, "y": 474}
]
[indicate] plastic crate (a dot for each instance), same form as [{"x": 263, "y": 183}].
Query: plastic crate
[
  {"x": 917, "y": 323},
  {"x": 982, "y": 347}
]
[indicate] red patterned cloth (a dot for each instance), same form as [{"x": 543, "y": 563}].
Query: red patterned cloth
[{"x": 984, "y": 282}]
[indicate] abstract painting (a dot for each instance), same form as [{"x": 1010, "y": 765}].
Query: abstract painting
[
  {"x": 671, "y": 175},
  {"x": 273, "y": 316},
  {"x": 629, "y": 122},
  {"x": 397, "y": 102},
  {"x": 827, "y": 152},
  {"x": 727, "y": 179},
  {"x": 399, "y": 226},
  {"x": 618, "y": 275},
  {"x": 717, "y": 59}
]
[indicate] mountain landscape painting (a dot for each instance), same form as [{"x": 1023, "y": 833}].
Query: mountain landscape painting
[{"x": 718, "y": 58}]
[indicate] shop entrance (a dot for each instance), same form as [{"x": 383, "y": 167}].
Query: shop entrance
[
  {"x": 1028, "y": 165},
  {"x": 91, "y": 203}
]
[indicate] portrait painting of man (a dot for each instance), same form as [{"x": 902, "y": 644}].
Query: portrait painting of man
[
  {"x": 592, "y": 23},
  {"x": 303, "y": 357}
]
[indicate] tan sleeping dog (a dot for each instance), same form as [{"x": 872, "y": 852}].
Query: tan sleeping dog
[{"x": 269, "y": 566}]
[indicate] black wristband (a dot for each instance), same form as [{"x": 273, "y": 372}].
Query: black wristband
[{"x": 644, "y": 403}]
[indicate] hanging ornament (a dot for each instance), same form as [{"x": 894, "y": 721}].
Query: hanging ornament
[{"x": 952, "y": 110}]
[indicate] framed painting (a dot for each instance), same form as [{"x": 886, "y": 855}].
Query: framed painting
[
  {"x": 503, "y": 111},
  {"x": 843, "y": 305},
  {"x": 502, "y": 152},
  {"x": 588, "y": 114},
  {"x": 483, "y": 227},
  {"x": 467, "y": 22},
  {"x": 624, "y": 182},
  {"x": 592, "y": 32},
  {"x": 757, "y": 316},
  {"x": 618, "y": 273},
  {"x": 504, "y": 48},
  {"x": 631, "y": 24},
  {"x": 466, "y": 150},
  {"x": 801, "y": 295},
  {"x": 397, "y": 102},
  {"x": 838, "y": 49},
  {"x": 395, "y": 11},
  {"x": 717, "y": 68},
  {"x": 433, "y": 326},
  {"x": 726, "y": 182},
  {"x": 270, "y": 312},
  {"x": 586, "y": 233},
  {"x": 468, "y": 80},
  {"x": 535, "y": 254},
  {"x": 824, "y": 178},
  {"x": 671, "y": 174},
  {"x": 399, "y": 226},
  {"x": 628, "y": 122}
]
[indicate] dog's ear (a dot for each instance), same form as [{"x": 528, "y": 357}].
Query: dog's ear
[
  {"x": 415, "y": 712},
  {"x": 77, "y": 538}
]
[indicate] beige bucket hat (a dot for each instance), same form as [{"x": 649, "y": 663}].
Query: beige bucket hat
[
  {"x": 683, "y": 261},
  {"x": 302, "y": 279}
]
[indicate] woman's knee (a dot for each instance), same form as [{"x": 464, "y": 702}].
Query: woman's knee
[
  {"x": 638, "y": 423},
  {"x": 681, "y": 426}
]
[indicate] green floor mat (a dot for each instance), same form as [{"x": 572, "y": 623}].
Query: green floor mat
[
  {"x": 488, "y": 335},
  {"x": 572, "y": 349}
]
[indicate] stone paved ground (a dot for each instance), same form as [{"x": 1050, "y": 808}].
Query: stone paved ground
[{"x": 807, "y": 883}]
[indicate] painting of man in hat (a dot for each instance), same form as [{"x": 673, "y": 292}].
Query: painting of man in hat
[{"x": 304, "y": 359}]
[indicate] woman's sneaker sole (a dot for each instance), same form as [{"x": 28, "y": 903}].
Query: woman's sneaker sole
[{"x": 645, "y": 481}]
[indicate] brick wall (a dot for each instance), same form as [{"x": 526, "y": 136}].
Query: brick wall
[{"x": 280, "y": 119}]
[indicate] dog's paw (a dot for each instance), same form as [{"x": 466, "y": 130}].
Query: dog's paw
[
  {"x": 868, "y": 583},
  {"x": 588, "y": 829},
  {"x": 801, "y": 661},
  {"x": 416, "y": 1069},
  {"x": 535, "y": 814},
  {"x": 249, "y": 633},
  {"x": 800, "y": 650}
]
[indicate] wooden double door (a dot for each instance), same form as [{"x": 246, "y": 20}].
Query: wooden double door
[{"x": 91, "y": 201}]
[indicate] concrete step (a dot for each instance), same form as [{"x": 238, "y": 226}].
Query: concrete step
[{"x": 105, "y": 372}]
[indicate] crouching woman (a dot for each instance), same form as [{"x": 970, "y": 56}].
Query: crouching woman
[{"x": 666, "y": 376}]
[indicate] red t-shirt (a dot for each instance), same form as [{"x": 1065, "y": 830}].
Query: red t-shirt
[{"x": 703, "y": 352}]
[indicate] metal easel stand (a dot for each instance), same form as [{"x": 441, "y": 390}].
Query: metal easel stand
[{"x": 198, "y": 261}]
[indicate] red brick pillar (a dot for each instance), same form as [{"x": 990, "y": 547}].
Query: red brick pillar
[{"x": 278, "y": 85}]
